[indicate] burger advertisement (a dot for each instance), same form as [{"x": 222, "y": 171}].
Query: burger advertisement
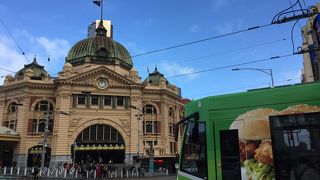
[
  {"x": 255, "y": 147},
  {"x": 255, "y": 144}
]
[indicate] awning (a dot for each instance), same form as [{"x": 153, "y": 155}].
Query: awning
[
  {"x": 5, "y": 137},
  {"x": 99, "y": 147},
  {"x": 7, "y": 134}
]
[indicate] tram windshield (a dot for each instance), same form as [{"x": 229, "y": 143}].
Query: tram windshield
[{"x": 194, "y": 150}]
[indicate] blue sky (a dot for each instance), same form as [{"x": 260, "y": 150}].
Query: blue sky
[{"x": 50, "y": 28}]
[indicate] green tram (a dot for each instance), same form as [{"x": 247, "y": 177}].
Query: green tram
[{"x": 262, "y": 134}]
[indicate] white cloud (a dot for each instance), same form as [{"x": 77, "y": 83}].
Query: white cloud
[
  {"x": 12, "y": 59},
  {"x": 194, "y": 28},
  {"x": 56, "y": 48},
  {"x": 291, "y": 77},
  {"x": 133, "y": 48},
  {"x": 174, "y": 69}
]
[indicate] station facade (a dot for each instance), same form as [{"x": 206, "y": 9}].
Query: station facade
[{"x": 97, "y": 109}]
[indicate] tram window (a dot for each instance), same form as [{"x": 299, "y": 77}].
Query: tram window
[
  {"x": 194, "y": 154},
  {"x": 295, "y": 143}
]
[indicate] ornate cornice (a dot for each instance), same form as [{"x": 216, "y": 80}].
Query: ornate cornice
[
  {"x": 160, "y": 91},
  {"x": 73, "y": 80},
  {"x": 24, "y": 85}
]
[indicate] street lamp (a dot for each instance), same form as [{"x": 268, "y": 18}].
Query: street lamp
[
  {"x": 266, "y": 71},
  {"x": 45, "y": 136},
  {"x": 74, "y": 153},
  {"x": 138, "y": 116}
]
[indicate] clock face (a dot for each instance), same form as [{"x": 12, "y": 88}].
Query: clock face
[{"x": 102, "y": 84}]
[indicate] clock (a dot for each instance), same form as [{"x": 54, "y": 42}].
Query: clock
[{"x": 102, "y": 83}]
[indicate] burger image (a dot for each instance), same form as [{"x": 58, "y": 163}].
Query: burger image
[
  {"x": 299, "y": 109},
  {"x": 255, "y": 144}
]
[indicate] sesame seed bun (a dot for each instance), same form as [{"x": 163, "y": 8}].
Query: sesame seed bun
[
  {"x": 298, "y": 109},
  {"x": 254, "y": 124}
]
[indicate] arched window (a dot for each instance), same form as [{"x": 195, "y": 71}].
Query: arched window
[
  {"x": 12, "y": 116},
  {"x": 150, "y": 123},
  {"x": 149, "y": 109},
  {"x": 100, "y": 133},
  {"x": 43, "y": 110},
  {"x": 171, "y": 115}
]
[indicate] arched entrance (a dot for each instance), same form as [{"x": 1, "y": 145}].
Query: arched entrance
[
  {"x": 35, "y": 155},
  {"x": 99, "y": 143}
]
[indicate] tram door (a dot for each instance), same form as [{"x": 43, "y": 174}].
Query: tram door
[
  {"x": 296, "y": 146},
  {"x": 230, "y": 155}
]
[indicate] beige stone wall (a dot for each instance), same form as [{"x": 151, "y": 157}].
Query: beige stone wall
[{"x": 68, "y": 127}]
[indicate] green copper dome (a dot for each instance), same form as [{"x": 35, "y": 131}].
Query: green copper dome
[{"x": 99, "y": 49}]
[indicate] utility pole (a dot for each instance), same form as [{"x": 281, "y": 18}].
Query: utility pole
[
  {"x": 45, "y": 136},
  {"x": 151, "y": 159},
  {"x": 74, "y": 153},
  {"x": 138, "y": 116}
]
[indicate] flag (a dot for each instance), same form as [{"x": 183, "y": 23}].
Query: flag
[{"x": 97, "y": 2}]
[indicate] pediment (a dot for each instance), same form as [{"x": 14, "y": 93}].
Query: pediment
[{"x": 94, "y": 76}]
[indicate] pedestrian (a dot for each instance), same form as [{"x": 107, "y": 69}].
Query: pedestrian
[{"x": 35, "y": 174}]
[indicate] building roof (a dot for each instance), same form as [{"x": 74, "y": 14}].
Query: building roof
[
  {"x": 155, "y": 77},
  {"x": 100, "y": 50},
  {"x": 37, "y": 70}
]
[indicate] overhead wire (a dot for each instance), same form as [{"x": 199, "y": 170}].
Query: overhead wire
[
  {"x": 217, "y": 68},
  {"x": 238, "y": 88},
  {"x": 292, "y": 29},
  {"x": 231, "y": 51},
  {"x": 233, "y": 65},
  {"x": 201, "y": 40},
  {"x": 192, "y": 42},
  {"x": 14, "y": 39},
  {"x": 223, "y": 52},
  {"x": 7, "y": 70}
]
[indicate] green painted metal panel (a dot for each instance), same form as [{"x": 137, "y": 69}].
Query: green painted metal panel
[{"x": 220, "y": 111}]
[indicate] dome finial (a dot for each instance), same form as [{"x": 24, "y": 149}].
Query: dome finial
[
  {"x": 101, "y": 30},
  {"x": 35, "y": 58}
]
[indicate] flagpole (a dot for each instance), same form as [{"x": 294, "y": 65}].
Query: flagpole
[{"x": 101, "y": 9}]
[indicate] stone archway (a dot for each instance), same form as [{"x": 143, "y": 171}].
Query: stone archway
[
  {"x": 118, "y": 127},
  {"x": 99, "y": 141}
]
